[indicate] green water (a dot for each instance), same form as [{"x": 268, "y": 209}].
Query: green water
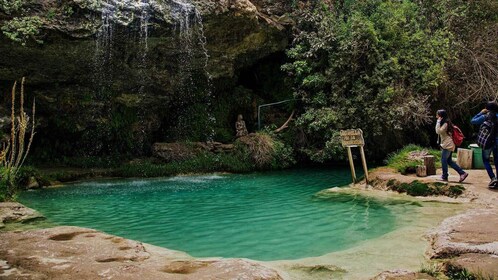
[{"x": 264, "y": 216}]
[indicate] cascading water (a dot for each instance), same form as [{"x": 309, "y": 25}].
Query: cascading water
[
  {"x": 192, "y": 46},
  {"x": 132, "y": 15},
  {"x": 190, "y": 78}
]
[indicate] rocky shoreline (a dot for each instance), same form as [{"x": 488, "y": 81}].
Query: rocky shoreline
[{"x": 467, "y": 241}]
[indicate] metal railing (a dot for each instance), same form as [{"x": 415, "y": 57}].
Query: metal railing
[{"x": 267, "y": 105}]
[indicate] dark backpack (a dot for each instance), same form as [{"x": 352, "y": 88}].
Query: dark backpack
[
  {"x": 486, "y": 136},
  {"x": 457, "y": 136}
]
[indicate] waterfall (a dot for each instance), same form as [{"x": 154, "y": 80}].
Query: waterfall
[
  {"x": 190, "y": 79},
  {"x": 115, "y": 15},
  {"x": 192, "y": 43}
]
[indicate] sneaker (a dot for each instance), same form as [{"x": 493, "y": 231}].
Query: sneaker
[
  {"x": 493, "y": 182},
  {"x": 443, "y": 179},
  {"x": 463, "y": 177}
]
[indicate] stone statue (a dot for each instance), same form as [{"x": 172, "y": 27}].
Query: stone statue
[{"x": 240, "y": 127}]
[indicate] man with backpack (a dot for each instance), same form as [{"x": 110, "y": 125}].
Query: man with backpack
[{"x": 487, "y": 138}]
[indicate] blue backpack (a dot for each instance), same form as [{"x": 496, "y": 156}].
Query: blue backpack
[{"x": 486, "y": 136}]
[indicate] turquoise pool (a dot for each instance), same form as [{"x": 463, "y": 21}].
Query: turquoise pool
[{"x": 263, "y": 216}]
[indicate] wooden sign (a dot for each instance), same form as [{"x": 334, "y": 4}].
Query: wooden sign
[{"x": 352, "y": 138}]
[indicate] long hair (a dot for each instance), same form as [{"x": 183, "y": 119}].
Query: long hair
[{"x": 444, "y": 119}]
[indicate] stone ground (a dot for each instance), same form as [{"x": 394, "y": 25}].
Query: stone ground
[
  {"x": 468, "y": 240},
  {"x": 80, "y": 253}
]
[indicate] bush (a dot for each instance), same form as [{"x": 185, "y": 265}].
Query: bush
[
  {"x": 417, "y": 188},
  {"x": 23, "y": 29},
  {"x": 267, "y": 152},
  {"x": 404, "y": 163}
]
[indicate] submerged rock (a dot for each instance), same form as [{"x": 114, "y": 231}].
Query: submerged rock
[{"x": 80, "y": 253}]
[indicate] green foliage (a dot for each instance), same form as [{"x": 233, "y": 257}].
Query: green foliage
[
  {"x": 367, "y": 64},
  {"x": 403, "y": 163},
  {"x": 267, "y": 151},
  {"x": 202, "y": 163},
  {"x": 4, "y": 185},
  {"x": 283, "y": 156},
  {"x": 11, "y": 6},
  {"x": 458, "y": 273},
  {"x": 456, "y": 190},
  {"x": 431, "y": 269},
  {"x": 417, "y": 188},
  {"x": 23, "y": 29}
]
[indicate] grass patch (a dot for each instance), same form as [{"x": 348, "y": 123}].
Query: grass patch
[
  {"x": 431, "y": 269},
  {"x": 417, "y": 188},
  {"x": 454, "y": 272},
  {"x": 406, "y": 160}
]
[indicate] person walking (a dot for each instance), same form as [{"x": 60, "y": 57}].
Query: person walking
[
  {"x": 489, "y": 113},
  {"x": 444, "y": 130}
]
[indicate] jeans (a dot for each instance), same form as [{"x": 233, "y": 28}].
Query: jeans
[
  {"x": 485, "y": 159},
  {"x": 447, "y": 160}
]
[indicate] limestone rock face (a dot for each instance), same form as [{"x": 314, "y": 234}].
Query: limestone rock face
[
  {"x": 171, "y": 152},
  {"x": 80, "y": 253},
  {"x": 121, "y": 75},
  {"x": 470, "y": 240}
]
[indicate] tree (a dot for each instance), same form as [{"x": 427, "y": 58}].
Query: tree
[{"x": 368, "y": 65}]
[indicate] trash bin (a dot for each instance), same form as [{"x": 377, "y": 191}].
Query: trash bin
[{"x": 476, "y": 157}]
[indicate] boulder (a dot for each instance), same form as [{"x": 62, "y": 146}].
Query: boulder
[{"x": 13, "y": 212}]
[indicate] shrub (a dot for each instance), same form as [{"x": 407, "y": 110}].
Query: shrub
[
  {"x": 10, "y": 6},
  {"x": 404, "y": 163},
  {"x": 455, "y": 191},
  {"x": 417, "y": 188},
  {"x": 14, "y": 152},
  {"x": 23, "y": 29},
  {"x": 267, "y": 152}
]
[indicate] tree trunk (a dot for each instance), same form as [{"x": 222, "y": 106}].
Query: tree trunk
[
  {"x": 421, "y": 171},
  {"x": 464, "y": 158},
  {"x": 430, "y": 165}
]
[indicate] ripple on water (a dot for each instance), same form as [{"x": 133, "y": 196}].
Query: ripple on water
[{"x": 266, "y": 216}]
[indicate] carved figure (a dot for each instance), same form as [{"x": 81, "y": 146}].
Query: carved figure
[{"x": 240, "y": 127}]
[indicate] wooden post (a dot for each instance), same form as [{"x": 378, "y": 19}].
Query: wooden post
[
  {"x": 364, "y": 162},
  {"x": 430, "y": 165},
  {"x": 421, "y": 171},
  {"x": 351, "y": 164},
  {"x": 464, "y": 158}
]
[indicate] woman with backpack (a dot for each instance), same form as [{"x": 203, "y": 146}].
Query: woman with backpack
[
  {"x": 444, "y": 128},
  {"x": 487, "y": 119}
]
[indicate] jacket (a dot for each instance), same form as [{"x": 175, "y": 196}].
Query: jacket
[
  {"x": 446, "y": 140},
  {"x": 480, "y": 118}
]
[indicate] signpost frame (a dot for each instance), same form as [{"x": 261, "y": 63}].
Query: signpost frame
[{"x": 354, "y": 138}]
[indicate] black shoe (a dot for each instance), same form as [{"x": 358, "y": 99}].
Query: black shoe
[{"x": 493, "y": 182}]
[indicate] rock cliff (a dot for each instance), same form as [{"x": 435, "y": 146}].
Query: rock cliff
[{"x": 113, "y": 76}]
